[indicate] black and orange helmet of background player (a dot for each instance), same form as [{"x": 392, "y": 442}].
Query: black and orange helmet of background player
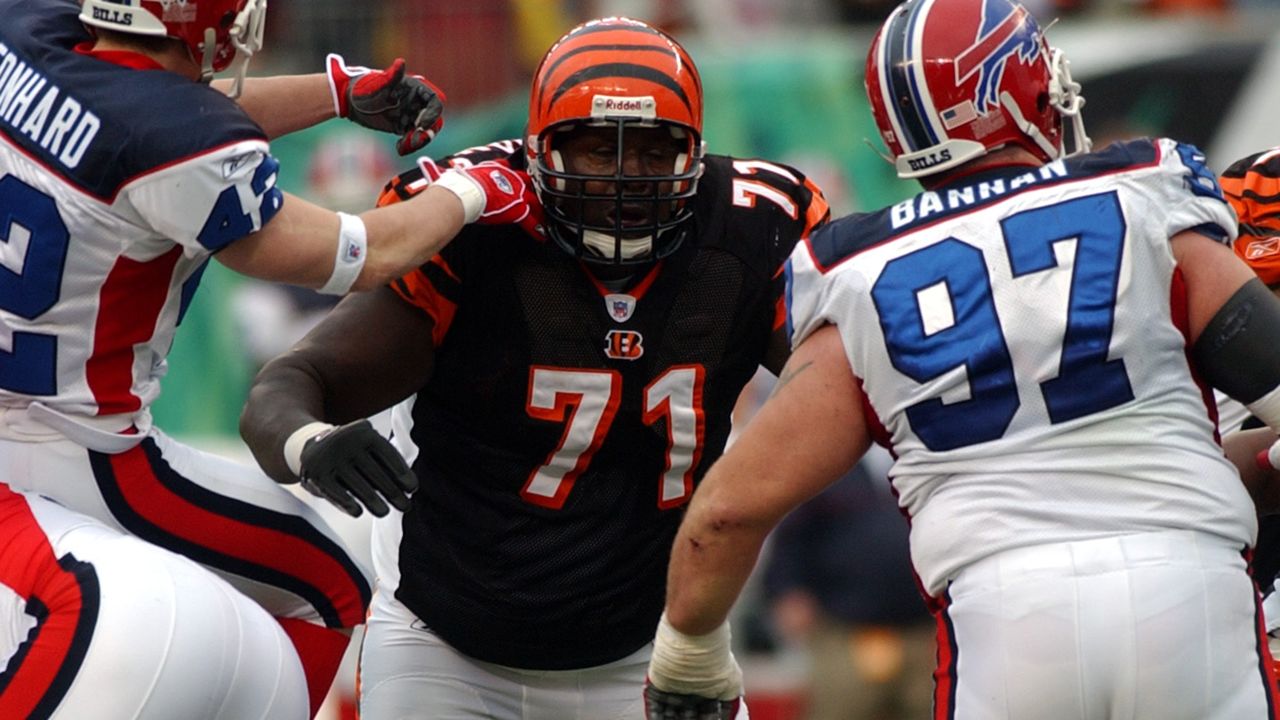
[
  {"x": 1252, "y": 186},
  {"x": 621, "y": 73}
]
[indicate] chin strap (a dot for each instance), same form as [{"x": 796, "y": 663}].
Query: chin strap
[
  {"x": 206, "y": 58},
  {"x": 1029, "y": 129}
]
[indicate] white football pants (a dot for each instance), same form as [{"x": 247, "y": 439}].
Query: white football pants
[
  {"x": 97, "y": 624},
  {"x": 1154, "y": 626}
]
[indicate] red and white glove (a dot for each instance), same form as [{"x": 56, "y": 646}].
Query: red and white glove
[
  {"x": 389, "y": 100},
  {"x": 491, "y": 193}
]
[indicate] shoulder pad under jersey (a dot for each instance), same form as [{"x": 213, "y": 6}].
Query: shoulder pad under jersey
[
  {"x": 411, "y": 182},
  {"x": 756, "y": 209}
]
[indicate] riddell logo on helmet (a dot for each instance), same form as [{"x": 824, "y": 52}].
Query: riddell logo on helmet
[
  {"x": 641, "y": 107},
  {"x": 622, "y": 104}
]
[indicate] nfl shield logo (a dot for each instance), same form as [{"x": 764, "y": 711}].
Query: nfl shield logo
[{"x": 619, "y": 306}]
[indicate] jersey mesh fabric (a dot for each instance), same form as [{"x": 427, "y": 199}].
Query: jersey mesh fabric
[{"x": 509, "y": 581}]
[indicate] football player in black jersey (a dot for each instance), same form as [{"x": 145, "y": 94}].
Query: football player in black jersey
[{"x": 569, "y": 378}]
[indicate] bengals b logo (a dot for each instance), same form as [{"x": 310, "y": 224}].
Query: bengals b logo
[{"x": 624, "y": 345}]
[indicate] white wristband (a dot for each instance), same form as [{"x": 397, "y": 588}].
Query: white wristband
[
  {"x": 1267, "y": 409},
  {"x": 353, "y": 246},
  {"x": 695, "y": 664},
  {"x": 467, "y": 190},
  {"x": 293, "y": 446}
]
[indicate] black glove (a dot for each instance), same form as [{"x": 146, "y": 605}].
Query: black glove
[
  {"x": 663, "y": 705},
  {"x": 353, "y": 465},
  {"x": 388, "y": 100}
]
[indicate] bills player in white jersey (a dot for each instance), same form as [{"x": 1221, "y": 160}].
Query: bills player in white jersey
[
  {"x": 1027, "y": 336},
  {"x": 121, "y": 173}
]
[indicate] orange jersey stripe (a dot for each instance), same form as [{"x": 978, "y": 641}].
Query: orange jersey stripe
[
  {"x": 417, "y": 289},
  {"x": 818, "y": 212}
]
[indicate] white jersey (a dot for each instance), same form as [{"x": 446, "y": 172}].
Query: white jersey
[
  {"x": 1021, "y": 340},
  {"x": 116, "y": 185}
]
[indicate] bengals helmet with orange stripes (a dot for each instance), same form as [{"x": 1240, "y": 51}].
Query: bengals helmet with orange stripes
[
  {"x": 619, "y": 74},
  {"x": 1252, "y": 186}
]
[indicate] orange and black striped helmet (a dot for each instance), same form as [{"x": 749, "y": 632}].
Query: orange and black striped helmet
[
  {"x": 1252, "y": 186},
  {"x": 623, "y": 73}
]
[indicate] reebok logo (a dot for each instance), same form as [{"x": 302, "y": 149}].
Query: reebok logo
[
  {"x": 501, "y": 181},
  {"x": 1263, "y": 247}
]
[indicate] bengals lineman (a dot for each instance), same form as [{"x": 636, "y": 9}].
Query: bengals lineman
[
  {"x": 569, "y": 379},
  {"x": 1030, "y": 335}
]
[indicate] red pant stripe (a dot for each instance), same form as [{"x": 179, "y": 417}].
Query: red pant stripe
[{"x": 62, "y": 596}]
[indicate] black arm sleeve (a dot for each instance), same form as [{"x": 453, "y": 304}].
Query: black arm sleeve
[{"x": 1239, "y": 350}]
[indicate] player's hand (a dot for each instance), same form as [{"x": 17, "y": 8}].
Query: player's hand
[
  {"x": 389, "y": 100},
  {"x": 1269, "y": 460},
  {"x": 692, "y": 677},
  {"x": 491, "y": 193},
  {"x": 662, "y": 705},
  {"x": 353, "y": 466}
]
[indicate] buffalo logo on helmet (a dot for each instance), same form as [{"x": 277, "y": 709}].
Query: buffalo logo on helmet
[{"x": 1006, "y": 30}]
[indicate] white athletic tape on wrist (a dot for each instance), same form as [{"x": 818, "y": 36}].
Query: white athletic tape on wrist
[
  {"x": 467, "y": 190},
  {"x": 1271, "y": 611},
  {"x": 1267, "y": 409},
  {"x": 293, "y": 446},
  {"x": 695, "y": 664},
  {"x": 348, "y": 261}
]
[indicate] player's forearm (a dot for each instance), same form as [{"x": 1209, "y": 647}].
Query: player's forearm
[
  {"x": 284, "y": 397},
  {"x": 713, "y": 555},
  {"x": 406, "y": 235},
  {"x": 285, "y": 103}
]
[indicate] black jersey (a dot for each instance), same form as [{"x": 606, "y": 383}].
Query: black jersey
[{"x": 565, "y": 426}]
